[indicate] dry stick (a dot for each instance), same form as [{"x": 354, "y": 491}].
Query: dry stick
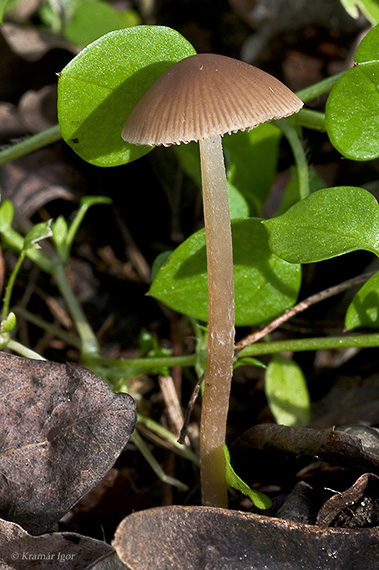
[
  {"x": 170, "y": 396},
  {"x": 189, "y": 408},
  {"x": 302, "y": 306}
]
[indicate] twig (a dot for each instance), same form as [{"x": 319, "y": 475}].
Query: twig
[
  {"x": 170, "y": 396},
  {"x": 302, "y": 306},
  {"x": 188, "y": 412}
]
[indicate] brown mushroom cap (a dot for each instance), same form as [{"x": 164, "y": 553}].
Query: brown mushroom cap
[{"x": 205, "y": 95}]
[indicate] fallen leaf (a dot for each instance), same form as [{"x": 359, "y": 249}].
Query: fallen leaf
[
  {"x": 21, "y": 551},
  {"x": 335, "y": 447},
  {"x": 33, "y": 181},
  {"x": 355, "y": 507},
  {"x": 219, "y": 539},
  {"x": 61, "y": 430}
]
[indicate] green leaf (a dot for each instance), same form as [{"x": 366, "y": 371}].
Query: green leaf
[
  {"x": 370, "y": 9},
  {"x": 6, "y": 215},
  {"x": 363, "y": 310},
  {"x": 286, "y": 392},
  {"x": 252, "y": 158},
  {"x": 60, "y": 229},
  {"x": 292, "y": 192},
  {"x": 249, "y": 361},
  {"x": 3, "y": 7},
  {"x": 368, "y": 48},
  {"x": 85, "y": 203},
  {"x": 352, "y": 112},
  {"x": 189, "y": 157},
  {"x": 265, "y": 285},
  {"x": 238, "y": 206},
  {"x": 329, "y": 222},
  {"x": 90, "y": 21},
  {"x": 8, "y": 323},
  {"x": 100, "y": 86},
  {"x": 159, "y": 262},
  {"x": 37, "y": 233},
  {"x": 260, "y": 500}
]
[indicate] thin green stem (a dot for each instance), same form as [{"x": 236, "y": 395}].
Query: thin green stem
[
  {"x": 9, "y": 288},
  {"x": 319, "y": 88},
  {"x": 145, "y": 363},
  {"x": 299, "y": 155},
  {"x": 26, "y": 146},
  {"x": 55, "y": 267},
  {"x": 166, "y": 434},
  {"x": 15, "y": 241},
  {"x": 311, "y": 119},
  {"x": 68, "y": 337},
  {"x": 90, "y": 346},
  {"x": 23, "y": 350},
  {"x": 316, "y": 343},
  {"x": 142, "y": 448}
]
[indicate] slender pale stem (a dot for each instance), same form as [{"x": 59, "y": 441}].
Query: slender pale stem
[
  {"x": 299, "y": 155},
  {"x": 219, "y": 369},
  {"x": 30, "y": 144}
]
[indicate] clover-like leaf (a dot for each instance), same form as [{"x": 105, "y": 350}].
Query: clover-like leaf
[
  {"x": 328, "y": 223},
  {"x": 100, "y": 86},
  {"x": 363, "y": 310},
  {"x": 251, "y": 159},
  {"x": 368, "y": 48},
  {"x": 93, "y": 19},
  {"x": 61, "y": 430},
  {"x": 37, "y": 233},
  {"x": 352, "y": 109},
  {"x": 286, "y": 391},
  {"x": 264, "y": 285}
]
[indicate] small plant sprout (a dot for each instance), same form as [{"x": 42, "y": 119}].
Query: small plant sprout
[{"x": 200, "y": 98}]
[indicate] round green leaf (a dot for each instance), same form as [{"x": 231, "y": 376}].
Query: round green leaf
[
  {"x": 100, "y": 86},
  {"x": 368, "y": 48},
  {"x": 265, "y": 285},
  {"x": 352, "y": 112},
  {"x": 329, "y": 222},
  {"x": 363, "y": 310},
  {"x": 252, "y": 159},
  {"x": 90, "y": 20},
  {"x": 287, "y": 393}
]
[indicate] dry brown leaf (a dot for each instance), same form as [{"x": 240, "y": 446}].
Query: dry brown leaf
[
  {"x": 21, "y": 551},
  {"x": 61, "y": 430},
  {"x": 335, "y": 447},
  {"x": 33, "y": 181},
  {"x": 209, "y": 538}
]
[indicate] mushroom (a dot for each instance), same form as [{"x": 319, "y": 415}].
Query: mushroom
[{"x": 201, "y": 98}]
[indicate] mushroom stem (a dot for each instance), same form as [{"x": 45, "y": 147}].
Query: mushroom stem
[{"x": 219, "y": 369}]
